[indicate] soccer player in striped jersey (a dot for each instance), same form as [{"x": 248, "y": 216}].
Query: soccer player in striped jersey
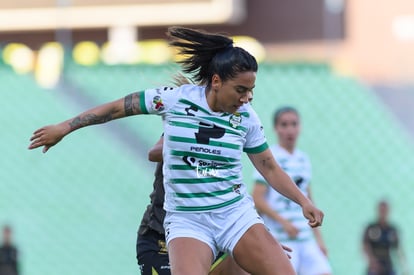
[
  {"x": 152, "y": 254},
  {"x": 282, "y": 216},
  {"x": 207, "y": 127}
]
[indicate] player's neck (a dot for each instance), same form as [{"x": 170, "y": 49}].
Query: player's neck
[
  {"x": 290, "y": 149},
  {"x": 211, "y": 97},
  {"x": 382, "y": 222}
]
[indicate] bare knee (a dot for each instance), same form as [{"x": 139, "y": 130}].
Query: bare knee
[
  {"x": 189, "y": 256},
  {"x": 258, "y": 252}
]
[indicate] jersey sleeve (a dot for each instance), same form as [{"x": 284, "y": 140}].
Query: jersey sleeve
[
  {"x": 158, "y": 100},
  {"x": 255, "y": 138}
]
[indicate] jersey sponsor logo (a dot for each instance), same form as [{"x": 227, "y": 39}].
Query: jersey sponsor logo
[
  {"x": 193, "y": 162},
  {"x": 236, "y": 188},
  {"x": 205, "y": 150},
  {"x": 203, "y": 168},
  {"x": 206, "y": 171},
  {"x": 235, "y": 120},
  {"x": 374, "y": 233},
  {"x": 162, "y": 246},
  {"x": 191, "y": 108},
  {"x": 207, "y": 131},
  {"x": 157, "y": 103}
]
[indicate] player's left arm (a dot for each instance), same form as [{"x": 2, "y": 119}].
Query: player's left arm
[
  {"x": 316, "y": 231},
  {"x": 265, "y": 163}
]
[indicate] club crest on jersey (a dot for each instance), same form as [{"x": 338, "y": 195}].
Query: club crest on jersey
[
  {"x": 235, "y": 120},
  {"x": 157, "y": 103}
]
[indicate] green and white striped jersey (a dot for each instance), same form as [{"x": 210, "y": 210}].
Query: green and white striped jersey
[
  {"x": 298, "y": 167},
  {"x": 202, "y": 149}
]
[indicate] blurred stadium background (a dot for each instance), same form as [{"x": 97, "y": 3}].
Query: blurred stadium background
[{"x": 347, "y": 65}]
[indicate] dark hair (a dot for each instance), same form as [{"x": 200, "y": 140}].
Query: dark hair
[
  {"x": 282, "y": 110},
  {"x": 207, "y": 54},
  {"x": 179, "y": 79}
]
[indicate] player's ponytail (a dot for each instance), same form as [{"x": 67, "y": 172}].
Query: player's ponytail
[{"x": 207, "y": 54}]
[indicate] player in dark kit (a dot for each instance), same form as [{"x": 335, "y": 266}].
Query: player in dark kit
[
  {"x": 380, "y": 241},
  {"x": 8, "y": 254},
  {"x": 152, "y": 253}
]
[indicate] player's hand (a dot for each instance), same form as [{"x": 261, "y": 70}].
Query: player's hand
[
  {"x": 287, "y": 249},
  {"x": 47, "y": 136},
  {"x": 313, "y": 214},
  {"x": 290, "y": 229}
]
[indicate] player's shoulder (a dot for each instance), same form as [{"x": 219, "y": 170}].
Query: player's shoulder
[
  {"x": 191, "y": 92},
  {"x": 180, "y": 90},
  {"x": 191, "y": 89},
  {"x": 392, "y": 227}
]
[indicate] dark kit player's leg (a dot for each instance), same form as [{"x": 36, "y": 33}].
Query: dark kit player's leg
[{"x": 152, "y": 254}]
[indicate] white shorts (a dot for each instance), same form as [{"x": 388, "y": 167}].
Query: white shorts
[
  {"x": 307, "y": 258},
  {"x": 220, "y": 230}
]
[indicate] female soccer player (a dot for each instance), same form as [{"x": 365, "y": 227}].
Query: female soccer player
[
  {"x": 152, "y": 254},
  {"x": 206, "y": 129},
  {"x": 282, "y": 216}
]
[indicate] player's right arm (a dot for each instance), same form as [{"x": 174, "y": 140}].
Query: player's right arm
[
  {"x": 259, "y": 192},
  {"x": 50, "y": 135}
]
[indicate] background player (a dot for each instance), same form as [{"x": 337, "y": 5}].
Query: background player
[
  {"x": 8, "y": 254},
  {"x": 381, "y": 243},
  {"x": 282, "y": 216}
]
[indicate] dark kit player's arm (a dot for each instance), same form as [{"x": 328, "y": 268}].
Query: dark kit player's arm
[
  {"x": 155, "y": 153},
  {"x": 49, "y": 136}
]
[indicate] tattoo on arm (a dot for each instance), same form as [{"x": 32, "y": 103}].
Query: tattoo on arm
[
  {"x": 89, "y": 119},
  {"x": 131, "y": 104},
  {"x": 265, "y": 162}
]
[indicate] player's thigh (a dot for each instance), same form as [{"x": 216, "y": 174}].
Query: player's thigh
[
  {"x": 189, "y": 256},
  {"x": 225, "y": 265},
  {"x": 312, "y": 260},
  {"x": 259, "y": 253},
  {"x": 153, "y": 263}
]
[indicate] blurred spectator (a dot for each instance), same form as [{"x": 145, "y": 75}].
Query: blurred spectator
[
  {"x": 8, "y": 254},
  {"x": 381, "y": 244}
]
